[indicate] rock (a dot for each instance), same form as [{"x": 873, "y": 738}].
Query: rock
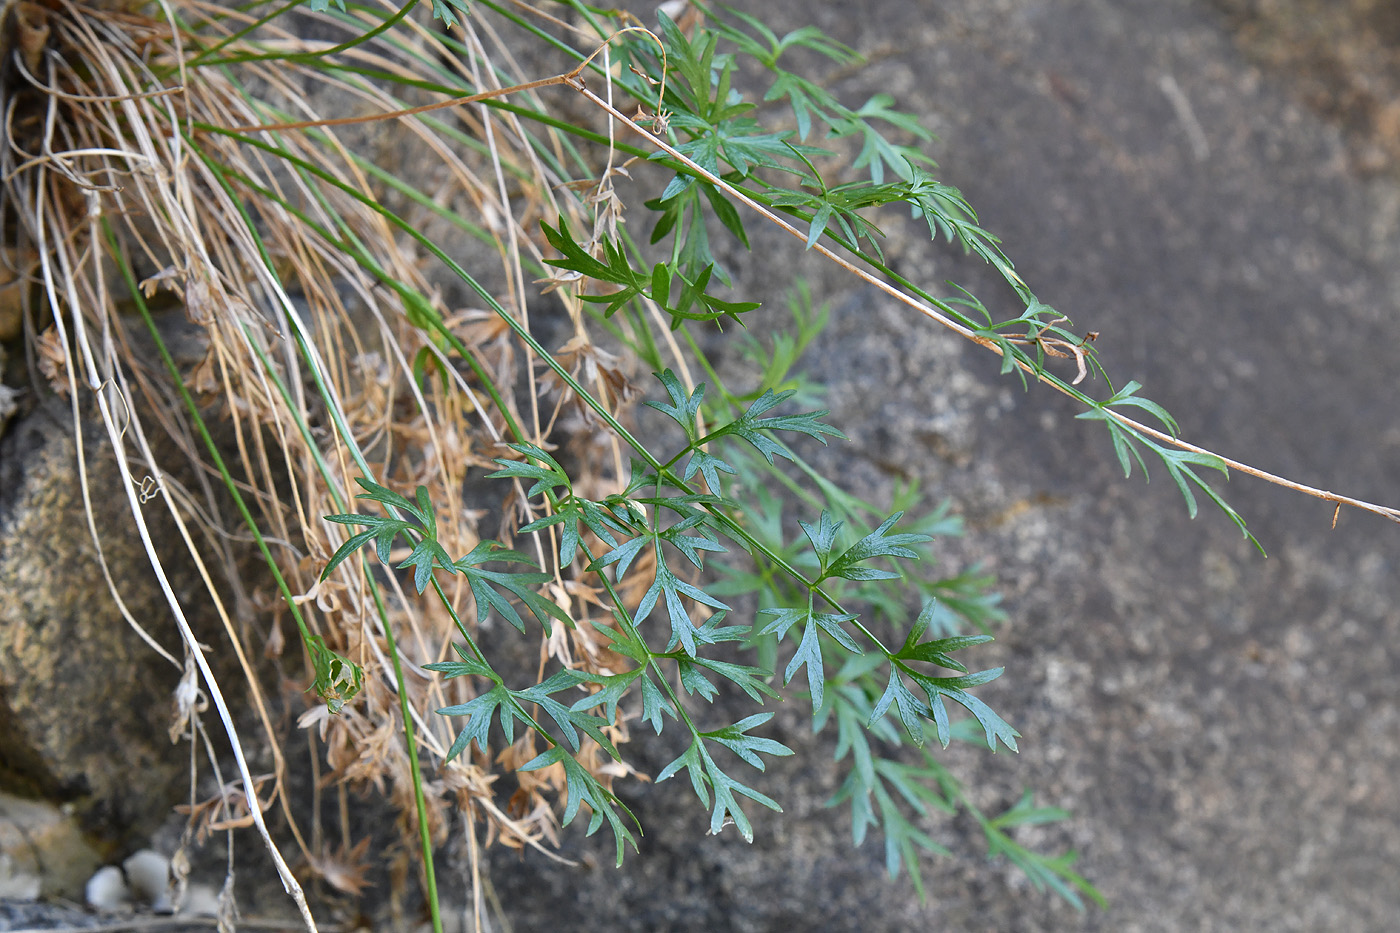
[
  {"x": 107, "y": 889},
  {"x": 201, "y": 900},
  {"x": 17, "y": 884},
  {"x": 43, "y": 851},
  {"x": 86, "y": 704},
  {"x": 148, "y": 877},
  {"x": 82, "y": 699},
  {"x": 1221, "y": 725}
]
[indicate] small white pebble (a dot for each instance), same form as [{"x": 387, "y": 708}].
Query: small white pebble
[
  {"x": 201, "y": 900},
  {"x": 106, "y": 890},
  {"x": 148, "y": 874}
]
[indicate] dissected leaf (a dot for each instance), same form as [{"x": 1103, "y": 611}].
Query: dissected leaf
[
  {"x": 486, "y": 587},
  {"x": 570, "y": 718},
  {"x": 427, "y": 554},
  {"x": 750, "y": 426},
  {"x": 480, "y": 710},
  {"x": 669, "y": 588},
  {"x": 876, "y": 544},
  {"x": 583, "y": 788}
]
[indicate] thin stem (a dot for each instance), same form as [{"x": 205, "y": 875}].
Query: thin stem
[
  {"x": 424, "y": 835},
  {"x": 962, "y": 330},
  {"x": 334, "y": 409}
]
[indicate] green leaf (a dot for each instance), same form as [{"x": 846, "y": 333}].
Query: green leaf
[
  {"x": 691, "y": 545},
  {"x": 427, "y": 553},
  {"x": 695, "y": 682},
  {"x": 821, "y": 205},
  {"x": 690, "y": 760},
  {"x": 1026, "y": 813},
  {"x": 749, "y": 679},
  {"x": 615, "y": 687},
  {"x": 939, "y": 650},
  {"x": 570, "y": 719},
  {"x": 911, "y": 709},
  {"x": 709, "y": 466},
  {"x": 823, "y": 536},
  {"x": 684, "y": 216},
  {"x": 876, "y": 544},
  {"x": 750, "y": 426},
  {"x": 442, "y": 9},
  {"x": 1044, "y": 871},
  {"x": 487, "y": 587},
  {"x": 749, "y": 747},
  {"x": 670, "y": 587},
  {"x": 876, "y": 151},
  {"x": 747, "y": 150},
  {"x": 1178, "y": 462},
  {"x": 481, "y": 710},
  {"x": 622, "y": 556},
  {"x": 879, "y": 791},
  {"x": 469, "y": 666},
  {"x": 807, "y": 37},
  {"x": 684, "y": 408},
  {"x": 612, "y": 268},
  {"x": 726, "y": 212},
  {"x": 696, "y": 295},
  {"x": 654, "y": 704},
  {"x": 809, "y": 651},
  {"x": 901, "y": 838},
  {"x": 548, "y": 474},
  {"x": 853, "y": 739},
  {"x": 955, "y": 688},
  {"x": 1128, "y": 396},
  {"x": 583, "y": 788},
  {"x": 703, "y": 771},
  {"x": 338, "y": 679}
]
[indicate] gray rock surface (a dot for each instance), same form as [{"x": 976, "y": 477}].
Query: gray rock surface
[{"x": 1223, "y": 726}]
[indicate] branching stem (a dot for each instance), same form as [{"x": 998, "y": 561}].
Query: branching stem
[{"x": 962, "y": 330}]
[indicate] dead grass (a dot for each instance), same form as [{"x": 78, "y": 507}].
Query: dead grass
[{"x": 306, "y": 363}]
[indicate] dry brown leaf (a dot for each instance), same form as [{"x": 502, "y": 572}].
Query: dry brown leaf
[
  {"x": 204, "y": 378},
  {"x": 345, "y": 869},
  {"x": 168, "y": 277},
  {"x": 31, "y": 24},
  {"x": 230, "y": 802},
  {"x": 16, "y": 275},
  {"x": 53, "y": 362}
]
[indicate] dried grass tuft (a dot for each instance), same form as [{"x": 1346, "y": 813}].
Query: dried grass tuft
[{"x": 307, "y": 305}]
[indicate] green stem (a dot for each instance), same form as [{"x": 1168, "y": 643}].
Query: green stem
[
  {"x": 311, "y": 58},
  {"x": 430, "y": 874},
  {"x": 343, "y": 429},
  {"x": 424, "y": 835},
  {"x": 203, "y": 430},
  {"x": 523, "y": 334},
  {"x": 481, "y": 656},
  {"x": 197, "y": 60}
]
